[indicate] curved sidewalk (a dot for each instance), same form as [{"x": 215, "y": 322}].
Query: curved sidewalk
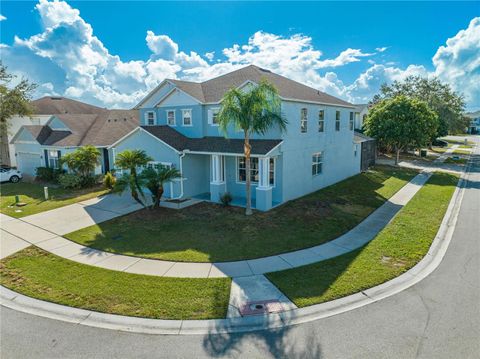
[{"x": 21, "y": 233}]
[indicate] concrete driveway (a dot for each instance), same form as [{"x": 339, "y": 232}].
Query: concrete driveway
[{"x": 73, "y": 217}]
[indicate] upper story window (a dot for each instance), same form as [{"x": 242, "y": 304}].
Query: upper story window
[
  {"x": 254, "y": 170},
  {"x": 303, "y": 120},
  {"x": 321, "y": 121},
  {"x": 171, "y": 117},
  {"x": 213, "y": 116},
  {"x": 317, "y": 163},
  {"x": 351, "y": 122},
  {"x": 337, "y": 121},
  {"x": 150, "y": 118},
  {"x": 187, "y": 117}
]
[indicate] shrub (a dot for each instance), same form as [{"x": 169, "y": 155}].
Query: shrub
[
  {"x": 69, "y": 180},
  {"x": 109, "y": 180},
  {"x": 48, "y": 174},
  {"x": 88, "y": 181},
  {"x": 226, "y": 198}
]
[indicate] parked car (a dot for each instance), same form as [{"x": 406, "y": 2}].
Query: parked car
[
  {"x": 440, "y": 143},
  {"x": 10, "y": 174}
]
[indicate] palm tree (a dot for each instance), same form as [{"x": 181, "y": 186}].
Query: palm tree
[
  {"x": 83, "y": 160},
  {"x": 156, "y": 178},
  {"x": 254, "y": 111},
  {"x": 134, "y": 184},
  {"x": 131, "y": 160}
]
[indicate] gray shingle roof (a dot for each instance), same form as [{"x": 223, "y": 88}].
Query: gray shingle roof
[
  {"x": 208, "y": 144},
  {"x": 101, "y": 129},
  {"x": 51, "y": 105},
  {"x": 214, "y": 89},
  {"x": 359, "y": 137}
]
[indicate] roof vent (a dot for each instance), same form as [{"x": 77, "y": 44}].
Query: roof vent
[
  {"x": 114, "y": 120},
  {"x": 125, "y": 119},
  {"x": 55, "y": 98}
]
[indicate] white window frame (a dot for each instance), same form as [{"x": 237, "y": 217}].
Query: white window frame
[
  {"x": 273, "y": 161},
  {"x": 351, "y": 121},
  {"x": 174, "y": 118},
  {"x": 213, "y": 112},
  {"x": 317, "y": 163},
  {"x": 321, "y": 120},
  {"x": 154, "y": 117},
  {"x": 54, "y": 157},
  {"x": 303, "y": 120},
  {"x": 338, "y": 119},
  {"x": 184, "y": 111}
]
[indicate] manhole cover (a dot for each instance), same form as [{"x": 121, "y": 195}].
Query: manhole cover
[{"x": 261, "y": 307}]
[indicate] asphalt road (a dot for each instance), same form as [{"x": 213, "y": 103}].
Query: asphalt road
[{"x": 437, "y": 318}]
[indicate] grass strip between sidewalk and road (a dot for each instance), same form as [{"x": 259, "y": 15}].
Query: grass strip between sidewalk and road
[
  {"x": 38, "y": 274},
  {"x": 397, "y": 248},
  {"x": 208, "y": 232},
  {"x": 32, "y": 195}
]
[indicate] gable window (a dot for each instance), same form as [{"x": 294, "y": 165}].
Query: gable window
[
  {"x": 351, "y": 121},
  {"x": 321, "y": 121},
  {"x": 187, "y": 117},
  {"x": 337, "y": 121},
  {"x": 53, "y": 159},
  {"x": 303, "y": 120},
  {"x": 150, "y": 118},
  {"x": 317, "y": 163},
  {"x": 171, "y": 117},
  {"x": 254, "y": 170}
]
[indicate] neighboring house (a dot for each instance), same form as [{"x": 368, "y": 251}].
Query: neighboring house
[
  {"x": 368, "y": 150},
  {"x": 179, "y": 128},
  {"x": 44, "y": 108},
  {"x": 361, "y": 112},
  {"x": 44, "y": 145},
  {"x": 474, "y": 126}
]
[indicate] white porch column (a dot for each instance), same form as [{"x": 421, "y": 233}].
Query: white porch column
[
  {"x": 217, "y": 185},
  {"x": 264, "y": 190},
  {"x": 217, "y": 169},
  {"x": 264, "y": 172}
]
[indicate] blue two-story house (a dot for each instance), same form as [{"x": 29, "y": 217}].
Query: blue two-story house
[{"x": 179, "y": 128}]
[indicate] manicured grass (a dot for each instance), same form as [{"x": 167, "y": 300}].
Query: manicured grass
[
  {"x": 208, "y": 232},
  {"x": 439, "y": 149},
  {"x": 460, "y": 161},
  {"x": 32, "y": 195},
  {"x": 42, "y": 275},
  {"x": 458, "y": 142},
  {"x": 461, "y": 152},
  {"x": 397, "y": 248}
]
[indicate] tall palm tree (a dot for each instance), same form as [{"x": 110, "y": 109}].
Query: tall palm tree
[
  {"x": 254, "y": 111},
  {"x": 131, "y": 160},
  {"x": 155, "y": 180}
]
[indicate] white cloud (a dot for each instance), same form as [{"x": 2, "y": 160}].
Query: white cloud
[
  {"x": 458, "y": 62},
  {"x": 67, "y": 58},
  {"x": 2, "y": 18}
]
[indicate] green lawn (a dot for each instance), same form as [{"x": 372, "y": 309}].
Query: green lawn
[
  {"x": 396, "y": 249},
  {"x": 458, "y": 142},
  {"x": 208, "y": 232},
  {"x": 32, "y": 195},
  {"x": 460, "y": 161},
  {"x": 42, "y": 275},
  {"x": 461, "y": 152}
]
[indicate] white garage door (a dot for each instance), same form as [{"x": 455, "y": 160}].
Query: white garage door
[{"x": 28, "y": 162}]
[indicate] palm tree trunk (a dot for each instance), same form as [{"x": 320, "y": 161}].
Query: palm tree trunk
[
  {"x": 246, "y": 150},
  {"x": 159, "y": 196}
]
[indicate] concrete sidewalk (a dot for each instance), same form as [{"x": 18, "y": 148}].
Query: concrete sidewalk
[{"x": 44, "y": 230}]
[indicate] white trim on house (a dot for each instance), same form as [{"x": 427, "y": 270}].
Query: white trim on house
[
  {"x": 237, "y": 180},
  {"x": 219, "y": 153},
  {"x": 151, "y": 93},
  {"x": 185, "y": 110},
  {"x": 170, "y": 93},
  {"x": 318, "y": 163},
  {"x": 148, "y": 133},
  {"x": 147, "y": 118},
  {"x": 211, "y": 112},
  {"x": 273, "y": 149}
]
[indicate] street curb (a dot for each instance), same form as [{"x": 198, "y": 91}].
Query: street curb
[{"x": 421, "y": 270}]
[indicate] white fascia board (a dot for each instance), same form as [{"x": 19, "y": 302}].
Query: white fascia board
[{"x": 172, "y": 91}]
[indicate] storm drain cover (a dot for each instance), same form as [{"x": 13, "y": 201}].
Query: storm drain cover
[{"x": 261, "y": 307}]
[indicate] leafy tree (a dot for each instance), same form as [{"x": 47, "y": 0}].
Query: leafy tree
[
  {"x": 254, "y": 112},
  {"x": 155, "y": 180},
  {"x": 446, "y": 103},
  {"x": 82, "y": 161},
  {"x": 401, "y": 122},
  {"x": 13, "y": 101}
]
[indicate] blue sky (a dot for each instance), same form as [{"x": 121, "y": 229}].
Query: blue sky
[{"x": 112, "y": 53}]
